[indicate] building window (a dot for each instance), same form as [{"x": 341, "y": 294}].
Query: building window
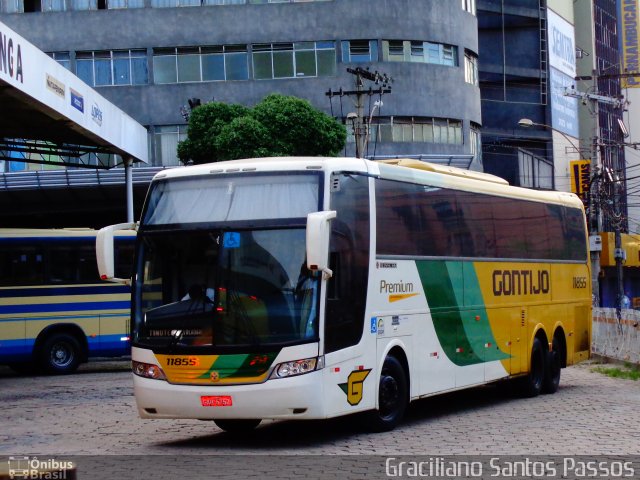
[
  {"x": 293, "y": 60},
  {"x": 113, "y": 67},
  {"x": 412, "y": 129},
  {"x": 393, "y": 50},
  {"x": 354, "y": 51},
  {"x": 535, "y": 172},
  {"x": 166, "y": 144},
  {"x": 63, "y": 58},
  {"x": 83, "y": 5},
  {"x": 174, "y": 3},
  {"x": 421, "y": 52},
  {"x": 200, "y": 64},
  {"x": 52, "y": 5},
  {"x": 475, "y": 143},
  {"x": 470, "y": 68},
  {"x": 11, "y": 6},
  {"x": 469, "y": 6},
  {"x": 114, "y": 4},
  {"x": 224, "y": 2}
]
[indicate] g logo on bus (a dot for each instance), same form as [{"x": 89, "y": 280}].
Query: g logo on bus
[
  {"x": 353, "y": 388},
  {"x": 215, "y": 376}
]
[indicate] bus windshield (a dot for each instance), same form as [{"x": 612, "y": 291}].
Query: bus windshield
[
  {"x": 219, "y": 289},
  {"x": 209, "y": 278},
  {"x": 232, "y": 198}
]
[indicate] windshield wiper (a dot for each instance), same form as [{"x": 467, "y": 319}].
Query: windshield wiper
[
  {"x": 184, "y": 318},
  {"x": 176, "y": 336}
]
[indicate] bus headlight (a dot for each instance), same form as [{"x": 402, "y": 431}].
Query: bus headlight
[
  {"x": 298, "y": 367},
  {"x": 147, "y": 370}
]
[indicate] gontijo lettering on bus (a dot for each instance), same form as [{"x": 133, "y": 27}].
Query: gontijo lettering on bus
[{"x": 520, "y": 282}]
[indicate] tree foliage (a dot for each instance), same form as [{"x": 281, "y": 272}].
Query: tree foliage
[{"x": 280, "y": 125}]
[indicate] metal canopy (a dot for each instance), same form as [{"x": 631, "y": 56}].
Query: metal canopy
[
  {"x": 50, "y": 116},
  {"x": 35, "y": 134}
]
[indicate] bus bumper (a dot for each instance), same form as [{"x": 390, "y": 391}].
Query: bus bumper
[{"x": 284, "y": 398}]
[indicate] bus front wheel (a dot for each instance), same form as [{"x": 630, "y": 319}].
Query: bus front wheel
[
  {"x": 60, "y": 354},
  {"x": 392, "y": 397},
  {"x": 237, "y": 426}
]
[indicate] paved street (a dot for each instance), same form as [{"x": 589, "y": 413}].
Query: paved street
[{"x": 93, "y": 413}]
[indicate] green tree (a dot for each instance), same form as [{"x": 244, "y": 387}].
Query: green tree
[
  {"x": 280, "y": 125},
  {"x": 205, "y": 124}
]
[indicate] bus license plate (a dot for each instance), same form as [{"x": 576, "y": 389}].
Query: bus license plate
[{"x": 216, "y": 401}]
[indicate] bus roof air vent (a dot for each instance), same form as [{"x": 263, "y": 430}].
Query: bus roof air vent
[{"x": 445, "y": 170}]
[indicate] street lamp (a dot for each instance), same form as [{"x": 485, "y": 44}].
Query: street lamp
[
  {"x": 357, "y": 133},
  {"x": 527, "y": 123}
]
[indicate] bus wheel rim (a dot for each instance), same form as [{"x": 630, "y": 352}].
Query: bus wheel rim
[
  {"x": 61, "y": 355},
  {"x": 389, "y": 393}
]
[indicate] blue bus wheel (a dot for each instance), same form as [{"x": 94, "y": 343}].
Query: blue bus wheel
[{"x": 60, "y": 353}]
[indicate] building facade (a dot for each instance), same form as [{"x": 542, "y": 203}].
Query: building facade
[
  {"x": 527, "y": 58},
  {"x": 150, "y": 56}
]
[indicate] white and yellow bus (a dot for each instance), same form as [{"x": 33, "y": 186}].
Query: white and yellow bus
[
  {"x": 54, "y": 310},
  {"x": 308, "y": 288}
]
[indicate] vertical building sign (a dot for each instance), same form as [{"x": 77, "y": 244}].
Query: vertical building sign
[
  {"x": 580, "y": 176},
  {"x": 628, "y": 26},
  {"x": 562, "y": 71}
]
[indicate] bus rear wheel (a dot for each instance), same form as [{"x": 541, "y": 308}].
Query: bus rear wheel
[
  {"x": 393, "y": 396},
  {"x": 532, "y": 383},
  {"x": 237, "y": 426},
  {"x": 552, "y": 369},
  {"x": 60, "y": 354}
]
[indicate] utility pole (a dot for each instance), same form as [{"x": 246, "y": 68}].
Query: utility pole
[
  {"x": 361, "y": 124},
  {"x": 596, "y": 175}
]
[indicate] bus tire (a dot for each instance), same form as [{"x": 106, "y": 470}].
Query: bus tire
[
  {"x": 60, "y": 354},
  {"x": 237, "y": 426},
  {"x": 393, "y": 394},
  {"x": 532, "y": 383},
  {"x": 23, "y": 368},
  {"x": 552, "y": 369}
]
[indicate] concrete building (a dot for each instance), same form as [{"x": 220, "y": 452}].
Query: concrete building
[
  {"x": 527, "y": 57},
  {"x": 150, "y": 56}
]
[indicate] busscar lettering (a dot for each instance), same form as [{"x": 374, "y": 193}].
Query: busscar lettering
[
  {"x": 11, "y": 58},
  {"x": 520, "y": 282}
]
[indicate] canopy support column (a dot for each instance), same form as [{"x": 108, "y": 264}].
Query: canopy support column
[{"x": 128, "y": 176}]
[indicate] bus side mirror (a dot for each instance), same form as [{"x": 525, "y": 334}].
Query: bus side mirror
[
  {"x": 318, "y": 235},
  {"x": 105, "y": 252}
]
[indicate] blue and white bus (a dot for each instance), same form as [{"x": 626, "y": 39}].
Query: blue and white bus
[{"x": 55, "y": 312}]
